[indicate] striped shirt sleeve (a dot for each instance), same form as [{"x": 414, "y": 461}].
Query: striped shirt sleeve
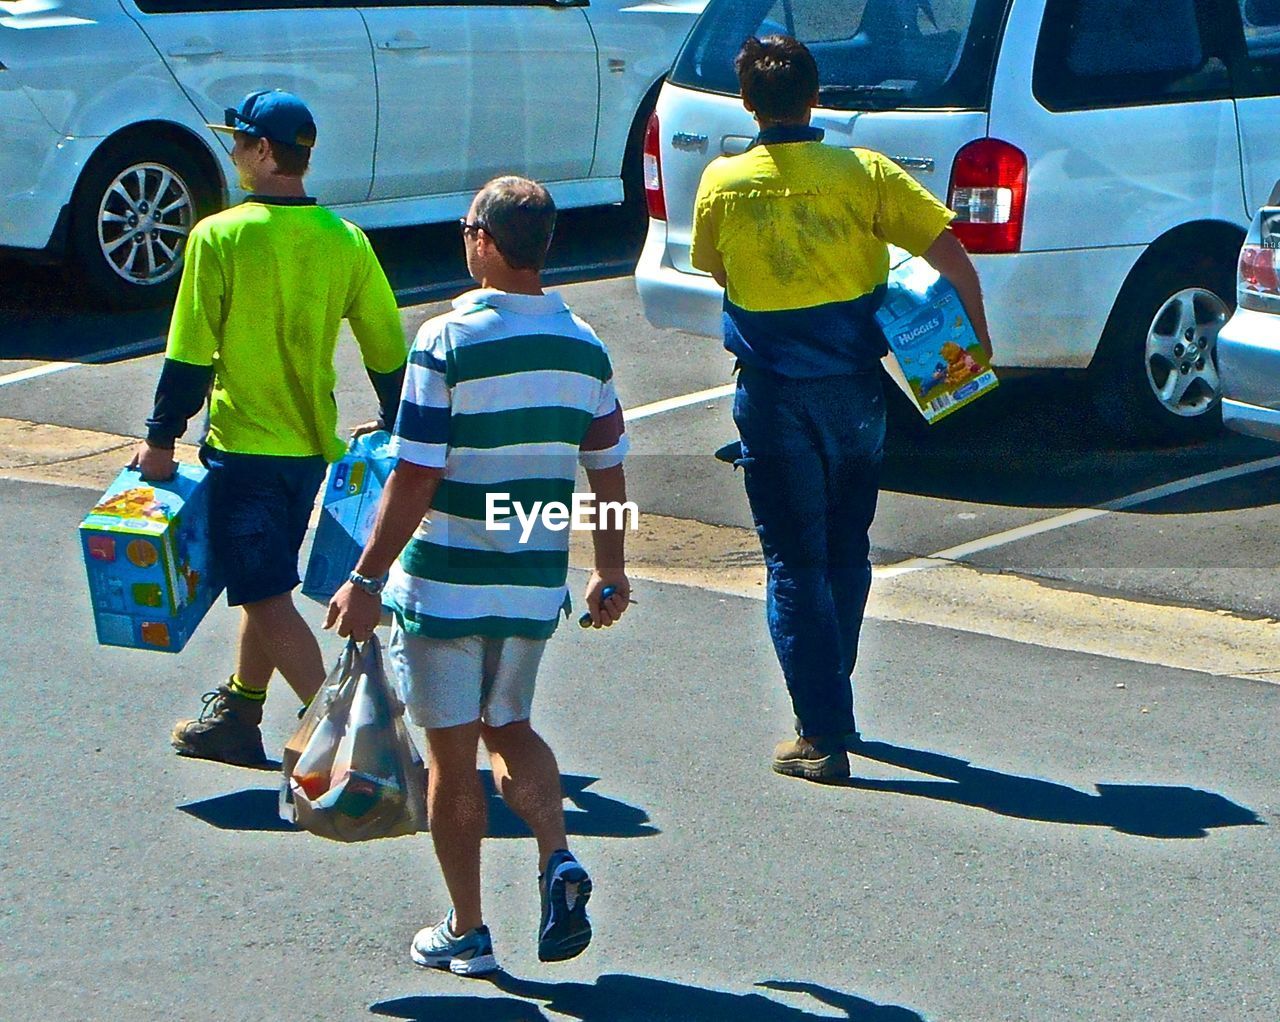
[
  {"x": 421, "y": 434},
  {"x": 606, "y": 443}
]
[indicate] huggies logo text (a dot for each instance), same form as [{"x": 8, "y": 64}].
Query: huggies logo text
[{"x": 582, "y": 515}]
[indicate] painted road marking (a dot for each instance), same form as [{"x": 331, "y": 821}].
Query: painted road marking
[
  {"x": 909, "y": 566},
  {"x": 727, "y": 560},
  {"x": 423, "y": 293},
  {"x": 672, "y": 403},
  {"x": 135, "y": 350},
  {"x": 1062, "y": 521}
]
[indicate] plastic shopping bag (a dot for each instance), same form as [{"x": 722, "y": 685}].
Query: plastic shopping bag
[{"x": 351, "y": 770}]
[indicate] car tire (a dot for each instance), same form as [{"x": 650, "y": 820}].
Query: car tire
[
  {"x": 132, "y": 209},
  {"x": 1155, "y": 377}
]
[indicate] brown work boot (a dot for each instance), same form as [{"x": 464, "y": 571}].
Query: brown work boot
[
  {"x": 818, "y": 758},
  {"x": 227, "y": 730}
]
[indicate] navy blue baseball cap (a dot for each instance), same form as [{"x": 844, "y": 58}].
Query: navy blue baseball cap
[{"x": 271, "y": 113}]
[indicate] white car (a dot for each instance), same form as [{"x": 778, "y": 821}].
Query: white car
[
  {"x": 1249, "y": 345},
  {"x": 1103, "y": 156},
  {"x": 105, "y": 157}
]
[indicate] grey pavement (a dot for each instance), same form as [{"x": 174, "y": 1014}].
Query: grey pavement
[{"x": 1026, "y": 842}]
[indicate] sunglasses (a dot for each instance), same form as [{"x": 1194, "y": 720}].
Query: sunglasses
[
  {"x": 469, "y": 228},
  {"x": 232, "y": 118}
]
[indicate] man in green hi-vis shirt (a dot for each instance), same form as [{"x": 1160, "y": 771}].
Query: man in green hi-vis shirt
[{"x": 264, "y": 289}]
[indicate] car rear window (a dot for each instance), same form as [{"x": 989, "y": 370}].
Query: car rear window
[
  {"x": 871, "y": 54},
  {"x": 1099, "y": 53}
]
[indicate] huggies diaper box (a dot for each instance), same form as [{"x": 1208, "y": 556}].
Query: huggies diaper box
[
  {"x": 932, "y": 339},
  {"x": 348, "y": 508},
  {"x": 146, "y": 550}
]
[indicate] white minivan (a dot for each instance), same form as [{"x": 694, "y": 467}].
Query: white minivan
[
  {"x": 105, "y": 159},
  {"x": 1104, "y": 157}
]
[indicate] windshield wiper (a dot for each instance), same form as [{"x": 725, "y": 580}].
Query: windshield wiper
[
  {"x": 849, "y": 97},
  {"x": 885, "y": 89}
]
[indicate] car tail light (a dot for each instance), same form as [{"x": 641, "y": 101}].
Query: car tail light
[
  {"x": 1258, "y": 274},
  {"x": 989, "y": 194},
  {"x": 656, "y": 201}
]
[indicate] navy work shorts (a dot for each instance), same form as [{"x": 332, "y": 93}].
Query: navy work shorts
[{"x": 259, "y": 507}]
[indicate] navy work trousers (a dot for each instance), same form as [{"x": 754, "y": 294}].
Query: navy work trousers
[{"x": 812, "y": 451}]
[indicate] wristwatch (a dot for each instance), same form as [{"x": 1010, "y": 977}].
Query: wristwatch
[{"x": 372, "y": 586}]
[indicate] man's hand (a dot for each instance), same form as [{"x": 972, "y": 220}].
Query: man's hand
[
  {"x": 606, "y": 612},
  {"x": 364, "y": 428},
  {"x": 155, "y": 464},
  {"x": 354, "y": 612}
]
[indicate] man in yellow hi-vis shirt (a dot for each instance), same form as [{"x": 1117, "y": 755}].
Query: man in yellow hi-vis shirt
[
  {"x": 796, "y": 232},
  {"x": 264, "y": 289}
]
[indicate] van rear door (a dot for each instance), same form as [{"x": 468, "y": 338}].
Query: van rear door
[
  {"x": 909, "y": 78},
  {"x": 1257, "y": 90}
]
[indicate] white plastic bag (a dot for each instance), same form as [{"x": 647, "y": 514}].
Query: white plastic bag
[{"x": 357, "y": 775}]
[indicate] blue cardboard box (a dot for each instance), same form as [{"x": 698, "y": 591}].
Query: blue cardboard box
[
  {"x": 146, "y": 551},
  {"x": 349, "y": 506},
  {"x": 931, "y": 337}
]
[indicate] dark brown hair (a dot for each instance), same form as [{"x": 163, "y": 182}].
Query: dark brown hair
[
  {"x": 778, "y": 76},
  {"x": 291, "y": 160}
]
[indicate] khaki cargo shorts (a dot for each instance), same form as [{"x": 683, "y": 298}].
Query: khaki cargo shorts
[{"x": 447, "y": 682}]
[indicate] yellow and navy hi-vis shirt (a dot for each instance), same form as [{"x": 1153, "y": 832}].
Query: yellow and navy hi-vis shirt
[{"x": 799, "y": 229}]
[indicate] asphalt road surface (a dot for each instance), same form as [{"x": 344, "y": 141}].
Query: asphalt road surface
[{"x": 1068, "y": 810}]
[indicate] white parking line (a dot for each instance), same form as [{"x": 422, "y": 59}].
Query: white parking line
[
  {"x": 1062, "y": 521},
  {"x": 906, "y": 567},
  {"x": 147, "y": 347},
  {"x": 429, "y": 292},
  {"x": 672, "y": 403}
]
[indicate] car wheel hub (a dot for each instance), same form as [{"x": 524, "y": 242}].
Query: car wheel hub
[
  {"x": 144, "y": 218},
  {"x": 1181, "y": 352}
]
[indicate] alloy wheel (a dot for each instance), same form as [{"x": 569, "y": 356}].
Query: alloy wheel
[
  {"x": 1181, "y": 351},
  {"x": 143, "y": 221}
]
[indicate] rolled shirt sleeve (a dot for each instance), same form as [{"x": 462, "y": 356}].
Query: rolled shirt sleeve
[
  {"x": 703, "y": 251},
  {"x": 373, "y": 314},
  {"x": 907, "y": 214},
  {"x": 195, "y": 329},
  {"x": 606, "y": 443},
  {"x": 421, "y": 434}
]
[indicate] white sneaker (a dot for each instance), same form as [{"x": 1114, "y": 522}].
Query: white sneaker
[{"x": 435, "y": 947}]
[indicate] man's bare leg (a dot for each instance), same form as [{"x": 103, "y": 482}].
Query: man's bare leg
[
  {"x": 287, "y": 641},
  {"x": 254, "y": 665},
  {"x": 458, "y": 817},
  {"x": 527, "y": 777}
]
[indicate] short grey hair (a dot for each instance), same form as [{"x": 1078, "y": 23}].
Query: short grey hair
[{"x": 520, "y": 217}]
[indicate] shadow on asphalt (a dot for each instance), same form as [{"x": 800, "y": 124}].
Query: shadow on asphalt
[
  {"x": 619, "y": 998},
  {"x": 595, "y": 815},
  {"x": 1143, "y": 810},
  {"x": 45, "y": 315},
  {"x": 1036, "y": 442},
  {"x": 253, "y": 809}
]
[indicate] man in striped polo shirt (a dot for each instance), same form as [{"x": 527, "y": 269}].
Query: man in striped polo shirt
[{"x": 504, "y": 396}]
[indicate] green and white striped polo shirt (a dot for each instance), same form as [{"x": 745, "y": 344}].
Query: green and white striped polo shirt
[{"x": 507, "y": 394}]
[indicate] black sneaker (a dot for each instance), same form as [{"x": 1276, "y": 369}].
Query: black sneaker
[
  {"x": 227, "y": 730},
  {"x": 565, "y": 887}
]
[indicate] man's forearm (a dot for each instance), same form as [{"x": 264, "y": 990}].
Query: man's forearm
[
  {"x": 388, "y": 387},
  {"x": 180, "y": 393},
  {"x": 610, "y": 487},
  {"x": 948, "y": 256},
  {"x": 405, "y": 502}
]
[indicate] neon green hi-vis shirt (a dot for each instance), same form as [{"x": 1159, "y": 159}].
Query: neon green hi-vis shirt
[{"x": 264, "y": 290}]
